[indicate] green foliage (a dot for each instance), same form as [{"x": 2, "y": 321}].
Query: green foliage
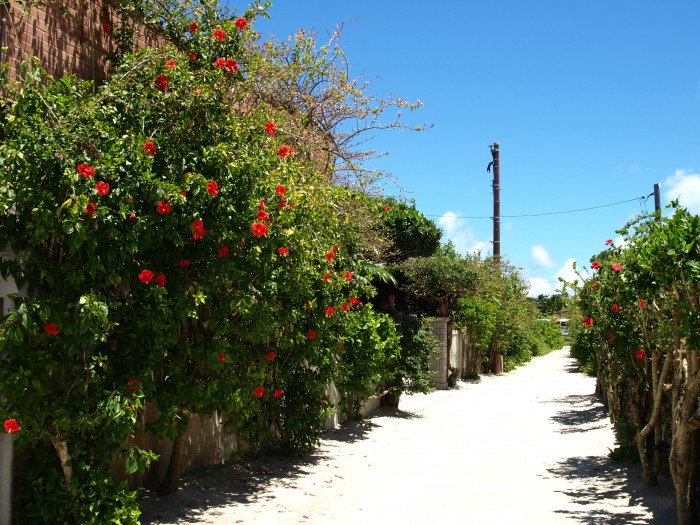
[
  {"x": 160, "y": 288},
  {"x": 367, "y": 343},
  {"x": 409, "y": 370},
  {"x": 411, "y": 232}
]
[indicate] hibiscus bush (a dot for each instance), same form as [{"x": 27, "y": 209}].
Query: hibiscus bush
[
  {"x": 175, "y": 244},
  {"x": 638, "y": 311}
]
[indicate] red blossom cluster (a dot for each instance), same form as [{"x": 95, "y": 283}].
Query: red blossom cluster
[
  {"x": 588, "y": 321},
  {"x": 227, "y": 63},
  {"x": 91, "y": 207},
  {"x": 270, "y": 127},
  {"x": 212, "y": 188},
  {"x": 616, "y": 307},
  {"x": 641, "y": 354},
  {"x": 133, "y": 384},
  {"x": 102, "y": 188},
  {"x": 595, "y": 265},
  {"x": 51, "y": 329},
  {"x": 85, "y": 170},
  {"x": 285, "y": 151},
  {"x": 219, "y": 34},
  {"x": 283, "y": 251},
  {"x": 241, "y": 22},
  {"x": 198, "y": 230},
  {"x": 162, "y": 81},
  {"x": 149, "y": 148},
  {"x": 163, "y": 207},
  {"x": 11, "y": 426},
  {"x": 170, "y": 63},
  {"x": 223, "y": 251},
  {"x": 193, "y": 27}
]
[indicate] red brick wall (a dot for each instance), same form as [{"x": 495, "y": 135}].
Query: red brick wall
[{"x": 66, "y": 36}]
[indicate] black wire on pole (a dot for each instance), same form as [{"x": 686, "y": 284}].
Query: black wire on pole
[{"x": 643, "y": 198}]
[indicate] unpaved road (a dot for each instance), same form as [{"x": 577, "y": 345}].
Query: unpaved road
[{"x": 529, "y": 447}]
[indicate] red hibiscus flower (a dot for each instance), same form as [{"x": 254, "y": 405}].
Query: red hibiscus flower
[
  {"x": 149, "y": 148},
  {"x": 193, "y": 27},
  {"x": 588, "y": 321},
  {"x": 241, "y": 22},
  {"x": 259, "y": 391},
  {"x": 616, "y": 266},
  {"x": 163, "y": 207},
  {"x": 162, "y": 81},
  {"x": 91, "y": 207},
  {"x": 330, "y": 255},
  {"x": 595, "y": 265},
  {"x": 219, "y": 63},
  {"x": 219, "y": 34},
  {"x": 345, "y": 307},
  {"x": 105, "y": 27},
  {"x": 170, "y": 63},
  {"x": 642, "y": 304},
  {"x": 285, "y": 151},
  {"x": 641, "y": 354},
  {"x": 183, "y": 263},
  {"x": 146, "y": 276},
  {"x": 387, "y": 208},
  {"x": 354, "y": 301},
  {"x": 595, "y": 285},
  {"x": 11, "y": 426},
  {"x": 330, "y": 310},
  {"x": 85, "y": 170},
  {"x": 231, "y": 65},
  {"x": 616, "y": 308},
  {"x": 198, "y": 230},
  {"x": 51, "y": 329},
  {"x": 133, "y": 384},
  {"x": 280, "y": 189},
  {"x": 102, "y": 188},
  {"x": 259, "y": 229},
  {"x": 160, "y": 280},
  {"x": 270, "y": 357},
  {"x": 270, "y": 127},
  {"x": 348, "y": 276},
  {"x": 326, "y": 277},
  {"x": 192, "y": 56},
  {"x": 223, "y": 251},
  {"x": 212, "y": 188},
  {"x": 608, "y": 242},
  {"x": 311, "y": 334},
  {"x": 278, "y": 393},
  {"x": 283, "y": 202},
  {"x": 222, "y": 357},
  {"x": 263, "y": 216},
  {"x": 283, "y": 251}
]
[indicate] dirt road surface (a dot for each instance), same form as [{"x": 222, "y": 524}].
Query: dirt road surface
[{"x": 528, "y": 447}]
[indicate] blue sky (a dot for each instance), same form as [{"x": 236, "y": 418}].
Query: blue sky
[{"x": 591, "y": 102}]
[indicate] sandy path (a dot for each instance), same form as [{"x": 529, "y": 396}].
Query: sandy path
[{"x": 527, "y": 447}]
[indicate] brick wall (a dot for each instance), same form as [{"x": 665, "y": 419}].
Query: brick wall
[{"x": 66, "y": 36}]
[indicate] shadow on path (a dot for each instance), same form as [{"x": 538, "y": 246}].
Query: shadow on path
[
  {"x": 598, "y": 481},
  {"x": 248, "y": 481},
  {"x": 582, "y": 413},
  {"x": 596, "y": 478}
]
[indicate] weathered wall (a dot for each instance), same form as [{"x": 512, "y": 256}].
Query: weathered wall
[
  {"x": 438, "y": 360},
  {"x": 67, "y": 37}
]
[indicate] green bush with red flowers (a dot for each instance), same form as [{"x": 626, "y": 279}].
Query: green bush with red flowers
[
  {"x": 638, "y": 329},
  {"x": 174, "y": 245}
]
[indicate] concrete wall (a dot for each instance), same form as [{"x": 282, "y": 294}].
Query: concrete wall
[{"x": 438, "y": 361}]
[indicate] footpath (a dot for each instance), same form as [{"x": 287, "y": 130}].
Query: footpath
[{"x": 528, "y": 447}]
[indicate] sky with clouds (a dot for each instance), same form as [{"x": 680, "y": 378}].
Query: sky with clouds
[{"x": 592, "y": 104}]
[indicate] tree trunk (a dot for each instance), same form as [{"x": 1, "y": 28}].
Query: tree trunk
[
  {"x": 62, "y": 451},
  {"x": 172, "y": 477}
]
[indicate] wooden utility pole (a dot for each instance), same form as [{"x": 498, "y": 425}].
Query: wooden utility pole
[
  {"x": 495, "y": 153},
  {"x": 657, "y": 197},
  {"x": 496, "y": 355}
]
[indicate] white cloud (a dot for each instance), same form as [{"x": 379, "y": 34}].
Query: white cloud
[
  {"x": 458, "y": 231},
  {"x": 540, "y": 256},
  {"x": 539, "y": 286},
  {"x": 684, "y": 186},
  {"x": 621, "y": 242},
  {"x": 567, "y": 273}
]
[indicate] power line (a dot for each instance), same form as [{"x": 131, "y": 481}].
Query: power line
[{"x": 642, "y": 198}]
